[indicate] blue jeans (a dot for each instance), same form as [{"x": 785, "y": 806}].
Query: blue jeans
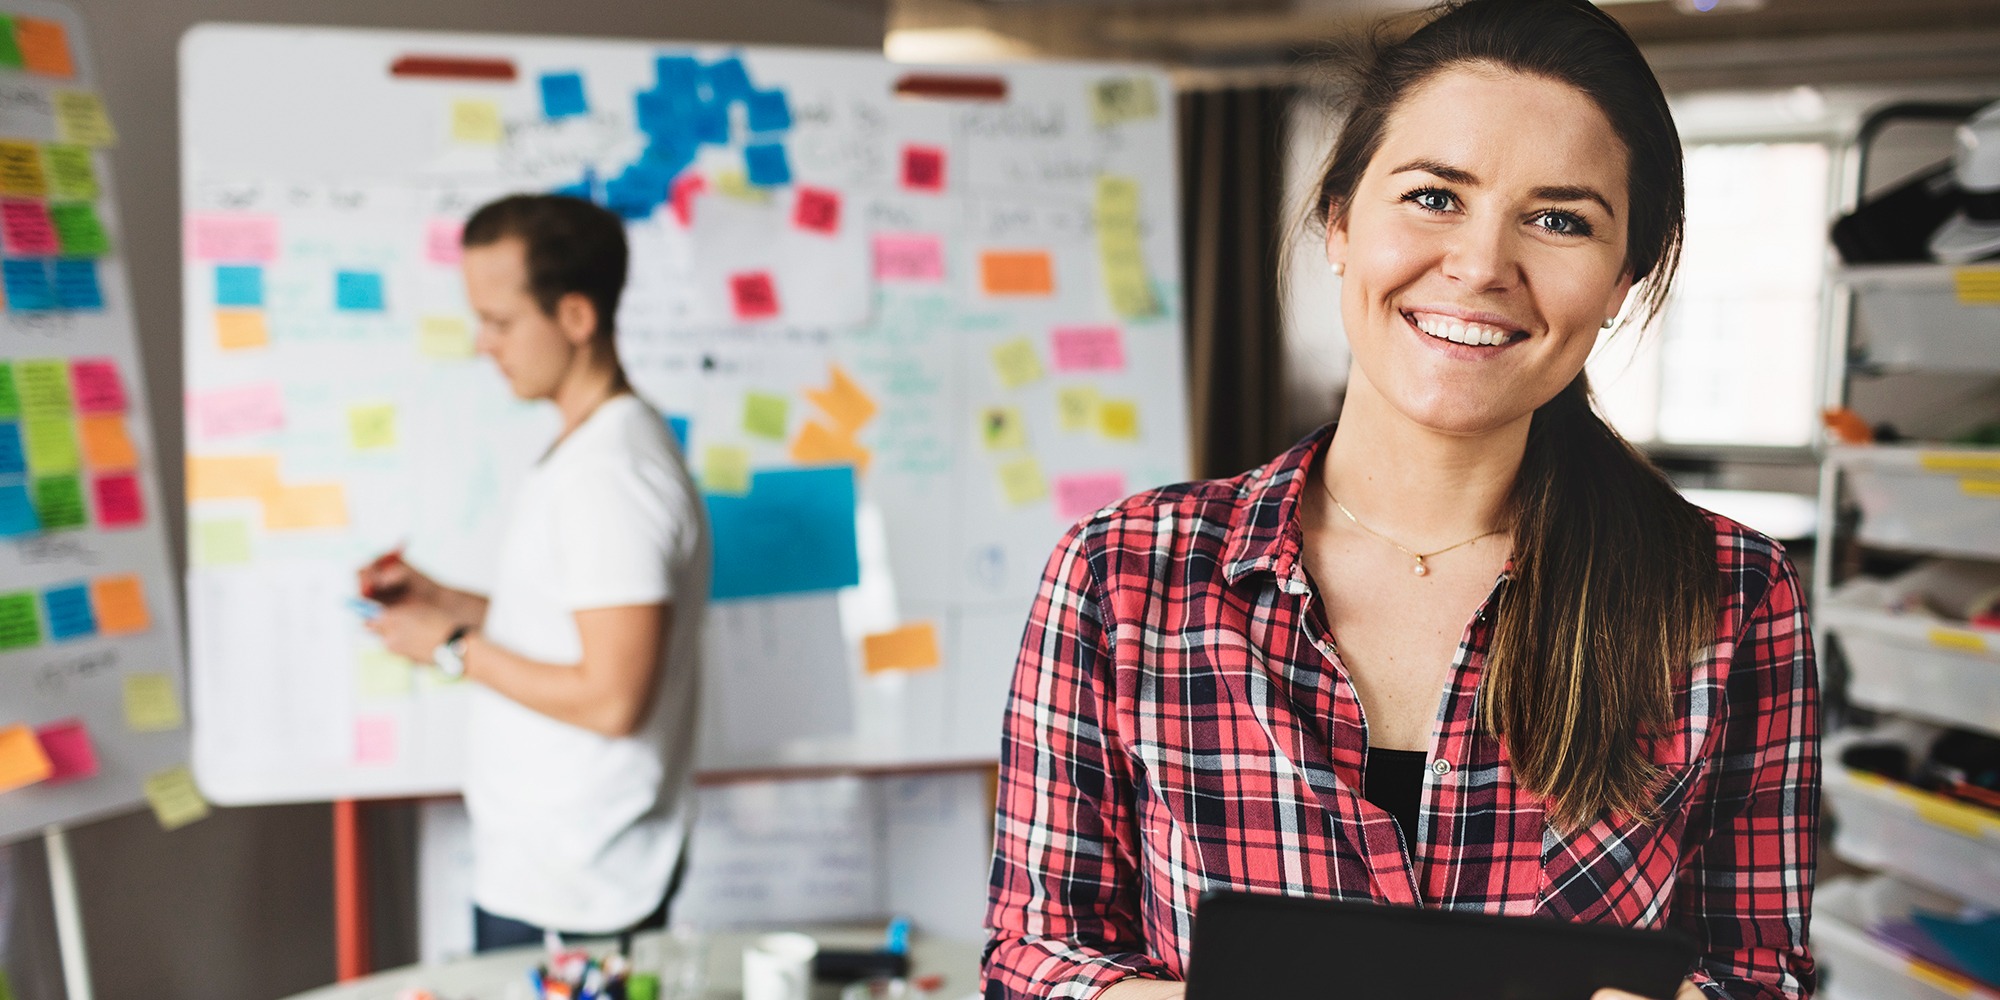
[{"x": 491, "y": 931}]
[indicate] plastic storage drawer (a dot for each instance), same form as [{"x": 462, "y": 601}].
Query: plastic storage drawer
[{"x": 1926, "y": 499}]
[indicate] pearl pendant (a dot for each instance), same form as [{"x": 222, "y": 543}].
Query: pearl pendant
[{"x": 1420, "y": 569}]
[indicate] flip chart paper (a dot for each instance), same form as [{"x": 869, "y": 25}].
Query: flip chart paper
[
  {"x": 22, "y": 760},
  {"x": 1087, "y": 349},
  {"x": 72, "y": 172},
  {"x": 381, "y": 675},
  {"x": 76, "y": 285},
  {"x": 21, "y": 170},
  {"x": 923, "y": 169},
  {"x": 17, "y": 511},
  {"x": 476, "y": 123},
  {"x": 563, "y": 96},
  {"x": 25, "y": 228},
  {"x": 304, "y": 508},
  {"x": 239, "y": 285},
  {"x": 222, "y": 543},
  {"x": 78, "y": 230},
  {"x": 44, "y": 388},
  {"x": 238, "y": 411},
  {"x": 120, "y": 501},
  {"x": 151, "y": 706},
  {"x": 358, "y": 291},
  {"x": 441, "y": 241},
  {"x": 375, "y": 739},
  {"x": 913, "y": 258},
  {"x": 793, "y": 533},
  {"x": 44, "y": 46},
  {"x": 51, "y": 445},
  {"x": 372, "y": 427},
  {"x": 1016, "y": 273},
  {"x": 119, "y": 603},
  {"x": 175, "y": 800},
  {"x": 106, "y": 446},
  {"x": 80, "y": 119},
  {"x": 27, "y": 285},
  {"x": 764, "y": 414},
  {"x": 753, "y": 296},
  {"x": 1021, "y": 481},
  {"x": 231, "y": 477},
  {"x": 1002, "y": 429},
  {"x": 1076, "y": 407},
  {"x": 13, "y": 454},
  {"x": 912, "y": 647},
  {"x": 98, "y": 389},
  {"x": 817, "y": 210},
  {"x": 1118, "y": 419},
  {"x": 818, "y": 444},
  {"x": 725, "y": 470},
  {"x": 59, "y": 503},
  {"x": 1082, "y": 493},
  {"x": 69, "y": 613},
  {"x": 250, "y": 239},
  {"x": 1016, "y": 362},
  {"x": 71, "y": 756},
  {"x": 20, "y": 621},
  {"x": 241, "y": 329},
  {"x": 1123, "y": 99},
  {"x": 844, "y": 400}
]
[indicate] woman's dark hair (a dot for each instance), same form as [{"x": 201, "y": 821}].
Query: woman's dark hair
[
  {"x": 573, "y": 247},
  {"x": 1615, "y": 585}
]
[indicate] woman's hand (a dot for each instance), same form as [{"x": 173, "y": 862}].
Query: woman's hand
[
  {"x": 1688, "y": 991},
  {"x": 390, "y": 580},
  {"x": 413, "y": 631}
]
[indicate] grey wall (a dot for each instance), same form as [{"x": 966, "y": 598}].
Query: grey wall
[{"x": 240, "y": 906}]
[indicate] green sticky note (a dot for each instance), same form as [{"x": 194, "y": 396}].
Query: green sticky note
[
  {"x": 10, "y": 401},
  {"x": 59, "y": 503},
  {"x": 381, "y": 674},
  {"x": 51, "y": 445},
  {"x": 222, "y": 543},
  {"x": 78, "y": 229},
  {"x": 10, "y": 58},
  {"x": 20, "y": 627},
  {"x": 725, "y": 469},
  {"x": 44, "y": 388},
  {"x": 72, "y": 172},
  {"x": 764, "y": 414}
]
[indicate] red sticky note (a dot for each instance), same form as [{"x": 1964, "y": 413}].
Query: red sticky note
[
  {"x": 686, "y": 186},
  {"x": 26, "y": 229},
  {"x": 1087, "y": 349},
  {"x": 120, "y": 503},
  {"x": 923, "y": 168},
  {"x": 67, "y": 744},
  {"x": 441, "y": 241},
  {"x": 241, "y": 239},
  {"x": 98, "y": 387},
  {"x": 754, "y": 294},
  {"x": 1081, "y": 493},
  {"x": 818, "y": 210},
  {"x": 908, "y": 257}
]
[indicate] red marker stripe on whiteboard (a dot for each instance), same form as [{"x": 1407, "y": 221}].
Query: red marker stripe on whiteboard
[
  {"x": 453, "y": 68},
  {"x": 940, "y": 86}
]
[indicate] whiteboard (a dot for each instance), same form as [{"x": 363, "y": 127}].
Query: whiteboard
[
  {"x": 929, "y": 384},
  {"x": 93, "y": 581}
]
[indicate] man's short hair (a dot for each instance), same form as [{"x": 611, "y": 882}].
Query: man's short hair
[{"x": 572, "y": 246}]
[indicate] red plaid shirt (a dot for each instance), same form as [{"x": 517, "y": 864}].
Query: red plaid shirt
[{"x": 1180, "y": 722}]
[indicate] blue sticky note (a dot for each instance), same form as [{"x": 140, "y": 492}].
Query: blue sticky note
[
  {"x": 358, "y": 291},
  {"x": 792, "y": 533},
  {"x": 678, "y": 426},
  {"x": 239, "y": 285},
  {"x": 13, "y": 460},
  {"x": 766, "y": 164},
  {"x": 678, "y": 75},
  {"x": 17, "y": 511},
  {"x": 27, "y": 285},
  {"x": 711, "y": 123},
  {"x": 727, "y": 80},
  {"x": 76, "y": 284},
  {"x": 769, "y": 111},
  {"x": 562, "y": 95},
  {"x": 585, "y": 188},
  {"x": 69, "y": 611}
]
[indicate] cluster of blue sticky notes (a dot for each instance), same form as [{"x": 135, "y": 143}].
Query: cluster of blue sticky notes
[
  {"x": 69, "y": 611},
  {"x": 76, "y": 284},
  {"x": 767, "y": 165},
  {"x": 585, "y": 188},
  {"x": 727, "y": 80},
  {"x": 680, "y": 75},
  {"x": 17, "y": 511},
  {"x": 769, "y": 111},
  {"x": 711, "y": 123},
  {"x": 677, "y": 425},
  {"x": 239, "y": 285},
  {"x": 792, "y": 533},
  {"x": 562, "y": 95},
  {"x": 13, "y": 459},
  {"x": 358, "y": 291},
  {"x": 27, "y": 285}
]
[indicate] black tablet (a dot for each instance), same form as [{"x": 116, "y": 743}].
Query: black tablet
[{"x": 1258, "y": 947}]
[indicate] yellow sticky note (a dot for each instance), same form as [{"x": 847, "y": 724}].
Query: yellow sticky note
[
  {"x": 382, "y": 674},
  {"x": 476, "y": 123},
  {"x": 119, "y": 602},
  {"x": 1002, "y": 429},
  {"x": 303, "y": 508},
  {"x": 1123, "y": 99},
  {"x": 51, "y": 443},
  {"x": 175, "y": 799},
  {"x": 222, "y": 543},
  {"x": 241, "y": 329},
  {"x": 106, "y": 446},
  {"x": 725, "y": 470},
  {"x": 1017, "y": 363},
  {"x": 764, "y": 414},
  {"x": 1118, "y": 419},
  {"x": 21, "y": 170},
  {"x": 1119, "y": 253},
  {"x": 818, "y": 444},
  {"x": 80, "y": 119},
  {"x": 736, "y": 184},
  {"x": 849, "y": 405},
  {"x": 1021, "y": 481},
  {"x": 151, "y": 706},
  {"x": 22, "y": 760},
  {"x": 912, "y": 647},
  {"x": 231, "y": 477},
  {"x": 372, "y": 427},
  {"x": 1076, "y": 407},
  {"x": 72, "y": 175},
  {"x": 448, "y": 337},
  {"x": 44, "y": 46},
  {"x": 1977, "y": 286}
]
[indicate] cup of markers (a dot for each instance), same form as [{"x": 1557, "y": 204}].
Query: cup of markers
[{"x": 573, "y": 974}]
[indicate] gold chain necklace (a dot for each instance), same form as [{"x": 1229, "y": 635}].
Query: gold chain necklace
[{"x": 1420, "y": 569}]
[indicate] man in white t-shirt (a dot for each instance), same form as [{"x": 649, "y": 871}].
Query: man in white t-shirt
[{"x": 586, "y": 657}]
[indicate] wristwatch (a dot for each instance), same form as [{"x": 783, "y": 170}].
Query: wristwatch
[{"x": 450, "y": 655}]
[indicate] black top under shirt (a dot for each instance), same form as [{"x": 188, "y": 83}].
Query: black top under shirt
[{"x": 1394, "y": 782}]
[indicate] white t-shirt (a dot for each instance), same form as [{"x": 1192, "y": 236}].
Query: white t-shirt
[{"x": 570, "y": 829}]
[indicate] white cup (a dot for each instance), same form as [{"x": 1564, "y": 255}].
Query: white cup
[{"x": 778, "y": 967}]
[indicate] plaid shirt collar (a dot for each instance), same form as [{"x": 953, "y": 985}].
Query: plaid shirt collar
[{"x": 1266, "y": 536}]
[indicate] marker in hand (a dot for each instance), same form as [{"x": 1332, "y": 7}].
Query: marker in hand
[{"x": 375, "y": 591}]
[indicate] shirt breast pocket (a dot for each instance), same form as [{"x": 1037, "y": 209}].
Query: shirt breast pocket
[{"x": 1619, "y": 869}]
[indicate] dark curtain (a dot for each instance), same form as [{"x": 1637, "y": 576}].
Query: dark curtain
[{"x": 1232, "y": 205}]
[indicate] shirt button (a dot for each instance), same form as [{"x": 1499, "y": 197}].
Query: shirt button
[{"x": 1440, "y": 767}]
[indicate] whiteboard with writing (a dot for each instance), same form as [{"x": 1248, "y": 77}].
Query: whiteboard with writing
[{"x": 911, "y": 323}]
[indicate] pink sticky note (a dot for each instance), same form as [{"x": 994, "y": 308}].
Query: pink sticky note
[
  {"x": 375, "y": 739},
  {"x": 1080, "y": 493},
  {"x": 235, "y": 412},
  {"x": 1087, "y": 349},
  {"x": 908, "y": 257},
  {"x": 817, "y": 209},
  {"x": 923, "y": 169},
  {"x": 247, "y": 239},
  {"x": 120, "y": 501},
  {"x": 754, "y": 296},
  {"x": 682, "y": 194},
  {"x": 67, "y": 744},
  {"x": 98, "y": 387},
  {"x": 441, "y": 244},
  {"x": 25, "y": 228}
]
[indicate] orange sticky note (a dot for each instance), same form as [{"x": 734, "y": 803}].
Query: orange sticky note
[
  {"x": 106, "y": 446},
  {"x": 231, "y": 477},
  {"x": 241, "y": 329},
  {"x": 44, "y": 47},
  {"x": 816, "y": 445},
  {"x": 23, "y": 762},
  {"x": 119, "y": 602},
  {"x": 1016, "y": 272},
  {"x": 846, "y": 402},
  {"x": 912, "y": 647},
  {"x": 301, "y": 508}
]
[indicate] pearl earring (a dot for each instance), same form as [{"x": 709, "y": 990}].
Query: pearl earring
[
  {"x": 1609, "y": 323},
  {"x": 1338, "y": 268}
]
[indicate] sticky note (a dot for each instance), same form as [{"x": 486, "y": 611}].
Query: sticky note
[
  {"x": 728, "y": 79},
  {"x": 20, "y": 621},
  {"x": 22, "y": 760},
  {"x": 21, "y": 170},
  {"x": 1021, "y": 481},
  {"x": 818, "y": 444},
  {"x": 221, "y": 542},
  {"x": 69, "y": 613},
  {"x": 306, "y": 507},
  {"x": 80, "y": 119},
  {"x": 562, "y": 95},
  {"x": 768, "y": 111},
  {"x": 98, "y": 387},
  {"x": 237, "y": 411},
  {"x": 736, "y": 184},
  {"x": 1123, "y": 99},
  {"x": 442, "y": 241},
  {"x": 44, "y": 46},
  {"x": 25, "y": 228},
  {"x": 120, "y": 501},
  {"x": 1087, "y": 349},
  {"x": 76, "y": 284},
  {"x": 444, "y": 337},
  {"x": 1076, "y": 407},
  {"x": 239, "y": 285},
  {"x": 381, "y": 674},
  {"x": 476, "y": 123},
  {"x": 51, "y": 445},
  {"x": 231, "y": 477},
  {"x": 817, "y": 210},
  {"x": 1002, "y": 429},
  {"x": 766, "y": 165},
  {"x": 358, "y": 291},
  {"x": 119, "y": 602},
  {"x": 59, "y": 503},
  {"x": 26, "y": 284},
  {"x": 1016, "y": 272},
  {"x": 1119, "y": 253},
  {"x": 912, "y": 647},
  {"x": 923, "y": 169},
  {"x": 151, "y": 706},
  {"x": 1016, "y": 362},
  {"x": 1082, "y": 493},
  {"x": 106, "y": 446},
  {"x": 725, "y": 469},
  {"x": 764, "y": 414},
  {"x": 175, "y": 800},
  {"x": 1977, "y": 286},
  {"x": 10, "y": 398},
  {"x": 17, "y": 511},
  {"x": 71, "y": 755},
  {"x": 375, "y": 739},
  {"x": 72, "y": 172},
  {"x": 753, "y": 295},
  {"x": 793, "y": 533},
  {"x": 10, "y": 58},
  {"x": 1118, "y": 419},
  {"x": 44, "y": 387},
  {"x": 247, "y": 239},
  {"x": 909, "y": 257},
  {"x": 682, "y": 194},
  {"x": 241, "y": 329},
  {"x": 843, "y": 400},
  {"x": 13, "y": 454},
  {"x": 372, "y": 427},
  {"x": 78, "y": 229}
]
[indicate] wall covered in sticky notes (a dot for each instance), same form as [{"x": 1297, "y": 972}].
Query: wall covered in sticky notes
[
  {"x": 905, "y": 345},
  {"x": 88, "y": 603}
]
